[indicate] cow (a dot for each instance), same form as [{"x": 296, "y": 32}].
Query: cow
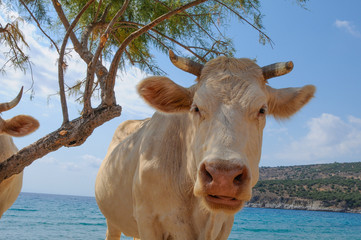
[
  {"x": 184, "y": 173},
  {"x": 17, "y": 126}
]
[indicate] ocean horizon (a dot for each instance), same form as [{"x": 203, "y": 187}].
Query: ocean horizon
[{"x": 49, "y": 216}]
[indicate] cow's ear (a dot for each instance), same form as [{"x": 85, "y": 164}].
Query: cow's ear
[
  {"x": 20, "y": 125},
  {"x": 283, "y": 103},
  {"x": 165, "y": 95}
]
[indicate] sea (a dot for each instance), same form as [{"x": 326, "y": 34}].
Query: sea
[{"x": 44, "y": 216}]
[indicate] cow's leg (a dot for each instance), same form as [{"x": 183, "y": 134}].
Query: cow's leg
[{"x": 112, "y": 232}]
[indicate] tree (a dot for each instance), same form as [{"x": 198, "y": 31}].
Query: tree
[{"x": 118, "y": 32}]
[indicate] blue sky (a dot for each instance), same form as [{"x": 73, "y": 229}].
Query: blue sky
[{"x": 324, "y": 42}]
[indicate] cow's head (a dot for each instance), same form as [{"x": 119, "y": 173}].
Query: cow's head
[
  {"x": 227, "y": 110},
  {"x": 20, "y": 125}
]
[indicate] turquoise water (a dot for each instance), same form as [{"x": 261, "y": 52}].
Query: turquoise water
[{"x": 42, "y": 216}]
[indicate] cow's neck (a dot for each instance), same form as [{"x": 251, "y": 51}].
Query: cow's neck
[
  {"x": 177, "y": 134},
  {"x": 169, "y": 132},
  {"x": 211, "y": 225}
]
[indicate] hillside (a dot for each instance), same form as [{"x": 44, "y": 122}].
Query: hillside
[{"x": 322, "y": 187}]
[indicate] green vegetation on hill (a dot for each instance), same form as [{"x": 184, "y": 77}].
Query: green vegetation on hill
[{"x": 336, "y": 187}]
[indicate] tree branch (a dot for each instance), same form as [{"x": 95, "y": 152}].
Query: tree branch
[
  {"x": 13, "y": 42},
  {"x": 167, "y": 37},
  {"x": 92, "y": 65},
  {"x": 61, "y": 62},
  {"x": 195, "y": 22},
  {"x": 88, "y": 29},
  {"x": 64, "y": 20},
  {"x": 98, "y": 10},
  {"x": 109, "y": 98},
  {"x": 83, "y": 52},
  {"x": 12, "y": 35},
  {"x": 39, "y": 26},
  {"x": 72, "y": 134},
  {"x": 238, "y": 15}
]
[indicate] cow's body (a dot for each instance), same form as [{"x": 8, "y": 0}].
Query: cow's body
[
  {"x": 17, "y": 126},
  {"x": 184, "y": 173},
  {"x": 171, "y": 204}
]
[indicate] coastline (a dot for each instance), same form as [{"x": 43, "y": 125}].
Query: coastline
[
  {"x": 312, "y": 206},
  {"x": 333, "y": 187},
  {"x": 285, "y": 204}
]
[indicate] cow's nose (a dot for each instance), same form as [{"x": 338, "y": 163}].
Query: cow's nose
[{"x": 224, "y": 178}]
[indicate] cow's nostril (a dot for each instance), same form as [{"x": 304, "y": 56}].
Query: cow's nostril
[
  {"x": 238, "y": 179},
  {"x": 205, "y": 174},
  {"x": 208, "y": 176}
]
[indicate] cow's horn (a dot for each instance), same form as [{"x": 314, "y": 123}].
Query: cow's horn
[
  {"x": 277, "y": 69},
  {"x": 186, "y": 64},
  {"x": 9, "y": 105}
]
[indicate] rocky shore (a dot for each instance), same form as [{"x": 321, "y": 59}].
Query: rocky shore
[
  {"x": 301, "y": 204},
  {"x": 332, "y": 187}
]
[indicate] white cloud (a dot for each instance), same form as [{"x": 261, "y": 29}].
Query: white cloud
[
  {"x": 86, "y": 162},
  {"x": 91, "y": 161},
  {"x": 354, "y": 120},
  {"x": 47, "y": 160},
  {"x": 348, "y": 27},
  {"x": 54, "y": 163},
  {"x": 329, "y": 138},
  {"x": 127, "y": 96},
  {"x": 272, "y": 130}
]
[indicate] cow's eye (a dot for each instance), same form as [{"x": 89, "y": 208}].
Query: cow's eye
[
  {"x": 262, "y": 111},
  {"x": 195, "y": 109}
]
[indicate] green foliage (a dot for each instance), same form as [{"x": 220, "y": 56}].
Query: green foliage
[
  {"x": 39, "y": 8},
  {"x": 337, "y": 184},
  {"x": 13, "y": 42}
]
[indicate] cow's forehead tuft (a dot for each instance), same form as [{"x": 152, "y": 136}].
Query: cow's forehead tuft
[
  {"x": 222, "y": 67},
  {"x": 230, "y": 78},
  {"x": 223, "y": 63}
]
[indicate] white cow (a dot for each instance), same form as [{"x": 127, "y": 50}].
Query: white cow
[
  {"x": 185, "y": 172},
  {"x": 18, "y": 126}
]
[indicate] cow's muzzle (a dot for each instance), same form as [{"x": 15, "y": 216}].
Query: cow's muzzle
[{"x": 226, "y": 185}]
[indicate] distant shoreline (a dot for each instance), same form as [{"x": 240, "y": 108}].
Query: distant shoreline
[
  {"x": 302, "y": 208},
  {"x": 59, "y": 194},
  {"x": 334, "y": 187}
]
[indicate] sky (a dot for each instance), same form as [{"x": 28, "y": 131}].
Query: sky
[{"x": 323, "y": 41}]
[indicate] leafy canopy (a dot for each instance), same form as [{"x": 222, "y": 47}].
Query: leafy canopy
[{"x": 198, "y": 30}]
